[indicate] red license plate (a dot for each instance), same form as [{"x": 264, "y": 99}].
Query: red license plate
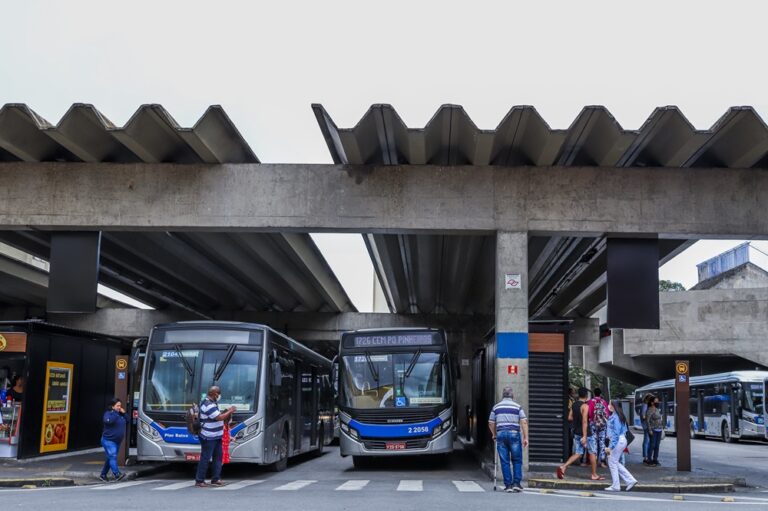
[
  {"x": 395, "y": 446},
  {"x": 192, "y": 456}
]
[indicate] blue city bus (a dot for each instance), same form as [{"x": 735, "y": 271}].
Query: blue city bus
[
  {"x": 396, "y": 393},
  {"x": 282, "y": 392},
  {"x": 728, "y": 406}
]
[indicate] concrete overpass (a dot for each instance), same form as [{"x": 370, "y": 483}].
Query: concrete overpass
[{"x": 449, "y": 212}]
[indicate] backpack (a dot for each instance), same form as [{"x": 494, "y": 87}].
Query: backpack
[
  {"x": 600, "y": 416},
  {"x": 193, "y": 420}
]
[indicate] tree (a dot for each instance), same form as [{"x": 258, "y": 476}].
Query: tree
[
  {"x": 576, "y": 377},
  {"x": 668, "y": 285}
]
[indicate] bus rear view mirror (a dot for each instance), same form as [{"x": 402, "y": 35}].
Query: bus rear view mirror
[{"x": 277, "y": 374}]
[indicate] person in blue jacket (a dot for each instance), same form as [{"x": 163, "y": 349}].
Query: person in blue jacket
[
  {"x": 617, "y": 442},
  {"x": 112, "y": 437}
]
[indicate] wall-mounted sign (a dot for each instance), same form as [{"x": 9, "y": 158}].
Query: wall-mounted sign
[
  {"x": 54, "y": 435},
  {"x": 512, "y": 370},
  {"x": 121, "y": 364},
  {"x": 13, "y": 342},
  {"x": 513, "y": 281}
]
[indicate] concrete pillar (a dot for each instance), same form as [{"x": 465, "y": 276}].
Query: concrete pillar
[{"x": 512, "y": 316}]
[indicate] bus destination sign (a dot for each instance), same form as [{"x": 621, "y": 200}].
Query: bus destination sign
[{"x": 394, "y": 340}]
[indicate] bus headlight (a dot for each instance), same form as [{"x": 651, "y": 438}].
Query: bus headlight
[
  {"x": 749, "y": 418},
  {"x": 439, "y": 429},
  {"x": 350, "y": 431},
  {"x": 149, "y": 431},
  {"x": 246, "y": 433}
]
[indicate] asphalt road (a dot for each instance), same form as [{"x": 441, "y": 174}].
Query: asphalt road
[{"x": 331, "y": 483}]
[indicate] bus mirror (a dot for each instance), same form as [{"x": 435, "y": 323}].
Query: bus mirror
[
  {"x": 335, "y": 377},
  {"x": 277, "y": 375}
]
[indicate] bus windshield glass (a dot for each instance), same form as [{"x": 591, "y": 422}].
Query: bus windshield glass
[
  {"x": 394, "y": 380},
  {"x": 177, "y": 378},
  {"x": 753, "y": 398}
]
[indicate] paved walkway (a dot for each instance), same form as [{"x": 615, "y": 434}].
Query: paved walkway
[
  {"x": 714, "y": 464},
  {"x": 65, "y": 471}
]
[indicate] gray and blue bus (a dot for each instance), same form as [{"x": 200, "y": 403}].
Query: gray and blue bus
[
  {"x": 728, "y": 406},
  {"x": 282, "y": 392},
  {"x": 396, "y": 393}
]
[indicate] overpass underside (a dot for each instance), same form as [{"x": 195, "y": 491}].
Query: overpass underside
[{"x": 503, "y": 237}]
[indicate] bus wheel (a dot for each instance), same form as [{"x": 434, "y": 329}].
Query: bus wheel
[
  {"x": 320, "y": 442},
  {"x": 726, "y": 434},
  {"x": 282, "y": 448},
  {"x": 361, "y": 461}
]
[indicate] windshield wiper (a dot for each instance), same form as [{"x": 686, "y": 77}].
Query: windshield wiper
[
  {"x": 413, "y": 363},
  {"x": 372, "y": 368},
  {"x": 220, "y": 370},
  {"x": 184, "y": 360}
]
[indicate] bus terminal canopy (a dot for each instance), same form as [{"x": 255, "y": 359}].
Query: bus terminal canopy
[{"x": 428, "y": 200}]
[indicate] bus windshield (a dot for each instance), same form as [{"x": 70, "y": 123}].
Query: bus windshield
[
  {"x": 753, "y": 398},
  {"x": 177, "y": 378},
  {"x": 394, "y": 380}
]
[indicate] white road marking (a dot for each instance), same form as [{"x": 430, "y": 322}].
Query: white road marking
[
  {"x": 238, "y": 485},
  {"x": 411, "y": 485},
  {"x": 176, "y": 486},
  {"x": 467, "y": 486},
  {"x": 120, "y": 486},
  {"x": 295, "y": 485},
  {"x": 353, "y": 485}
]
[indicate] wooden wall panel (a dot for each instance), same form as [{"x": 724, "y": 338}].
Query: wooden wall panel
[{"x": 546, "y": 343}]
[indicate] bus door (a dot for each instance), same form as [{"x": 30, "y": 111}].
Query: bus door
[
  {"x": 315, "y": 405},
  {"x": 734, "y": 404},
  {"x": 307, "y": 414},
  {"x": 700, "y": 410},
  {"x": 765, "y": 407}
]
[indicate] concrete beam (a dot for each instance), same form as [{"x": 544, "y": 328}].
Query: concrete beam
[
  {"x": 707, "y": 322},
  {"x": 584, "y": 332},
  {"x": 303, "y": 326},
  {"x": 423, "y": 198}
]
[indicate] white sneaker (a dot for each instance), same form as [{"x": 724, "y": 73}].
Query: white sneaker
[
  {"x": 611, "y": 488},
  {"x": 631, "y": 485}
]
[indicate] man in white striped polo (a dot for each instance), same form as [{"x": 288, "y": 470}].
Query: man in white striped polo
[
  {"x": 509, "y": 427},
  {"x": 211, "y": 432}
]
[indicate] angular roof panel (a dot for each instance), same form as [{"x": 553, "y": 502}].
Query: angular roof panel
[
  {"x": 151, "y": 135},
  {"x": 667, "y": 139}
]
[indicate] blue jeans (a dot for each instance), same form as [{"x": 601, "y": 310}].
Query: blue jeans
[
  {"x": 509, "y": 445},
  {"x": 111, "y": 449},
  {"x": 209, "y": 449},
  {"x": 646, "y": 443},
  {"x": 653, "y": 447}
]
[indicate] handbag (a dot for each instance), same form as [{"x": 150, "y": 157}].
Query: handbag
[{"x": 629, "y": 436}]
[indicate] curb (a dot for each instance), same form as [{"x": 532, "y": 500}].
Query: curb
[
  {"x": 130, "y": 475},
  {"x": 557, "y": 484},
  {"x": 39, "y": 482}
]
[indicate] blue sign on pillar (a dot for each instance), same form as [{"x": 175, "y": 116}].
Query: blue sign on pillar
[{"x": 512, "y": 345}]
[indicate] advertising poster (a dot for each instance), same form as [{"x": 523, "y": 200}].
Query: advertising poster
[{"x": 56, "y": 407}]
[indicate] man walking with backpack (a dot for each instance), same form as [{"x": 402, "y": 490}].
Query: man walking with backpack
[
  {"x": 211, "y": 432},
  {"x": 598, "y": 421}
]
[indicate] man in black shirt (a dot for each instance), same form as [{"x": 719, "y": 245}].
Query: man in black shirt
[{"x": 578, "y": 415}]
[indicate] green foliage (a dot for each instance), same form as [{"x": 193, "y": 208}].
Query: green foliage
[
  {"x": 618, "y": 388},
  {"x": 668, "y": 285}
]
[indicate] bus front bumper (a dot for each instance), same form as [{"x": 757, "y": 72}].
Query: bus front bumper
[{"x": 443, "y": 443}]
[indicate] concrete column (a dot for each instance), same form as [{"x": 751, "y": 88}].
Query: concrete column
[{"x": 512, "y": 316}]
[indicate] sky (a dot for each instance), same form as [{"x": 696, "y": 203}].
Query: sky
[{"x": 266, "y": 62}]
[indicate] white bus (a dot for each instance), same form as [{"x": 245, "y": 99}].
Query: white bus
[
  {"x": 725, "y": 405},
  {"x": 396, "y": 393},
  {"x": 281, "y": 390}
]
